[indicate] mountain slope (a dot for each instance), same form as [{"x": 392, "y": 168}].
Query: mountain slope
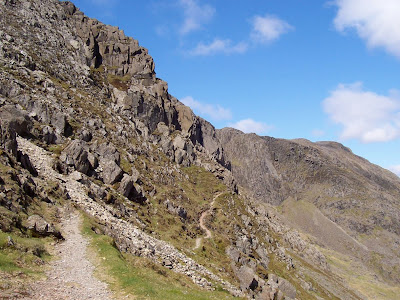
[
  {"x": 346, "y": 203},
  {"x": 85, "y": 121}
]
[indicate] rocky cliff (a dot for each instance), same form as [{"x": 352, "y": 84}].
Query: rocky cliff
[{"x": 86, "y": 122}]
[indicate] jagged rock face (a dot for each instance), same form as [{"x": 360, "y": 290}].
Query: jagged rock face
[
  {"x": 108, "y": 46},
  {"x": 82, "y": 52}
]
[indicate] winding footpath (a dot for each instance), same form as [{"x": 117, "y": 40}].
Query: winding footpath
[
  {"x": 130, "y": 238},
  {"x": 71, "y": 276},
  {"x": 202, "y": 225}
]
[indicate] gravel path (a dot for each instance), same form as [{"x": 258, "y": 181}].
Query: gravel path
[
  {"x": 134, "y": 240},
  {"x": 71, "y": 277},
  {"x": 202, "y": 225}
]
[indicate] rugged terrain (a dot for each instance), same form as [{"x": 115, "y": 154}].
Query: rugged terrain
[
  {"x": 173, "y": 208},
  {"x": 348, "y": 204}
]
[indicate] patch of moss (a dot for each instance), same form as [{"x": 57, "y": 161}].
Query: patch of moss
[{"x": 120, "y": 82}]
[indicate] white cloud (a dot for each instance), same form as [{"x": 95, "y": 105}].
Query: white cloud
[
  {"x": 364, "y": 115},
  {"x": 219, "y": 46},
  {"x": 318, "y": 133},
  {"x": 196, "y": 15},
  {"x": 215, "y": 112},
  {"x": 251, "y": 126},
  {"x": 268, "y": 28},
  {"x": 395, "y": 169},
  {"x": 376, "y": 21}
]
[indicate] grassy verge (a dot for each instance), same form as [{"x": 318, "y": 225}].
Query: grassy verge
[
  {"x": 24, "y": 256},
  {"x": 140, "y": 278},
  {"x": 20, "y": 263}
]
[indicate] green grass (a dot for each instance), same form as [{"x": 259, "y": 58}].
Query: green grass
[
  {"x": 359, "y": 278},
  {"x": 120, "y": 82},
  {"x": 125, "y": 165},
  {"x": 202, "y": 184},
  {"x": 56, "y": 149},
  {"x": 25, "y": 256},
  {"x": 140, "y": 278}
]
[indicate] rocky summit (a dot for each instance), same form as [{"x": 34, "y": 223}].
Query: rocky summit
[{"x": 110, "y": 187}]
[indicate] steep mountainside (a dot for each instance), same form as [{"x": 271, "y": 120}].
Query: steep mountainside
[
  {"x": 354, "y": 205},
  {"x": 85, "y": 123}
]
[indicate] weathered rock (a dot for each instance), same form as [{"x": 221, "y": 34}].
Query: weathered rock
[
  {"x": 94, "y": 162},
  {"x": 76, "y": 154},
  {"x": 96, "y": 192},
  {"x": 287, "y": 288},
  {"x": 139, "y": 195},
  {"x": 108, "y": 151},
  {"x": 10, "y": 241},
  {"x": 233, "y": 253},
  {"x": 60, "y": 123},
  {"x": 135, "y": 175},
  {"x": 41, "y": 227},
  {"x": 126, "y": 185},
  {"x": 86, "y": 136},
  {"x": 13, "y": 121},
  {"x": 185, "y": 118},
  {"x": 27, "y": 184},
  {"x": 247, "y": 278},
  {"x": 111, "y": 172},
  {"x": 266, "y": 294},
  {"x": 179, "y": 155},
  {"x": 179, "y": 143},
  {"x": 26, "y": 163},
  {"x": 176, "y": 209},
  {"x": 163, "y": 129},
  {"x": 49, "y": 135},
  {"x": 264, "y": 258}
]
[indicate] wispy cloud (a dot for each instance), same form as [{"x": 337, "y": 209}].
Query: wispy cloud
[
  {"x": 219, "y": 46},
  {"x": 395, "y": 169},
  {"x": 318, "y": 133},
  {"x": 195, "y": 15},
  {"x": 251, "y": 126},
  {"x": 377, "y": 22},
  {"x": 215, "y": 112},
  {"x": 268, "y": 28},
  {"x": 364, "y": 115}
]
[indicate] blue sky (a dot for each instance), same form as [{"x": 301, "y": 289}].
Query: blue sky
[{"x": 315, "y": 69}]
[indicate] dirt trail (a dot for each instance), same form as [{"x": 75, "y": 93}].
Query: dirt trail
[
  {"x": 202, "y": 225},
  {"x": 146, "y": 245},
  {"x": 71, "y": 276}
]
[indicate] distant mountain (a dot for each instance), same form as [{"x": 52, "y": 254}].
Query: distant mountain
[{"x": 345, "y": 202}]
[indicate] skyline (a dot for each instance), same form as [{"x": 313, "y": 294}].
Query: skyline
[{"x": 318, "y": 70}]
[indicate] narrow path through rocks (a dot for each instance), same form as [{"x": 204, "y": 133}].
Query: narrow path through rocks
[
  {"x": 202, "y": 225},
  {"x": 70, "y": 276},
  {"x": 130, "y": 238}
]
